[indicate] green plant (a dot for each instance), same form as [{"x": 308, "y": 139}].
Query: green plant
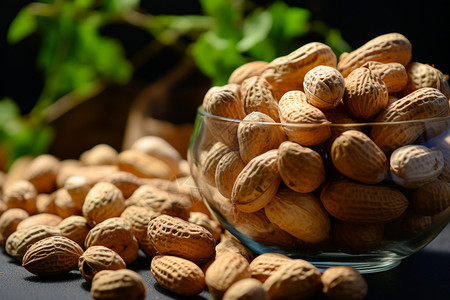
[{"x": 78, "y": 60}]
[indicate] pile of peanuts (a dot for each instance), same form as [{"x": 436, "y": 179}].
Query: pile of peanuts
[{"x": 97, "y": 213}]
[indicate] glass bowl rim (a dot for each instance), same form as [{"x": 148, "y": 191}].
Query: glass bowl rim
[{"x": 202, "y": 113}]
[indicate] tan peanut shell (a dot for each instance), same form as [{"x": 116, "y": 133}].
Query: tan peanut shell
[
  {"x": 324, "y": 87},
  {"x": 39, "y": 219},
  {"x": 356, "y": 237},
  {"x": 104, "y": 200},
  {"x": 178, "y": 275},
  {"x": 365, "y": 94},
  {"x": 257, "y": 134},
  {"x": 421, "y": 104},
  {"x": 143, "y": 165},
  {"x": 118, "y": 284},
  {"x": 21, "y": 194},
  {"x": 288, "y": 72},
  {"x": 247, "y": 70},
  {"x": 257, "y": 95},
  {"x": 386, "y": 48},
  {"x": 126, "y": 182},
  {"x": 297, "y": 279},
  {"x": 18, "y": 242},
  {"x": 204, "y": 220},
  {"x": 161, "y": 201},
  {"x": 101, "y": 154},
  {"x": 414, "y": 165},
  {"x": 423, "y": 75},
  {"x": 64, "y": 204},
  {"x": 257, "y": 183},
  {"x": 337, "y": 116},
  {"x": 301, "y": 215},
  {"x": 159, "y": 148},
  {"x": 265, "y": 264},
  {"x": 248, "y": 288},
  {"x": 116, "y": 234},
  {"x": 431, "y": 198},
  {"x": 227, "y": 170},
  {"x": 224, "y": 101},
  {"x": 98, "y": 258},
  {"x": 52, "y": 256},
  {"x": 343, "y": 282},
  {"x": 211, "y": 159},
  {"x": 350, "y": 201},
  {"x": 232, "y": 244},
  {"x": 42, "y": 171},
  {"x": 356, "y": 156},
  {"x": 392, "y": 74},
  {"x": 139, "y": 217},
  {"x": 45, "y": 203},
  {"x": 411, "y": 223},
  {"x": 9, "y": 221},
  {"x": 174, "y": 236},
  {"x": 258, "y": 227},
  {"x": 75, "y": 228},
  {"x": 224, "y": 271},
  {"x": 303, "y": 123},
  {"x": 78, "y": 187},
  {"x": 301, "y": 168}
]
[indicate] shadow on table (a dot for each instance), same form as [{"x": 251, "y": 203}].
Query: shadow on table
[
  {"x": 174, "y": 296},
  {"x": 420, "y": 276},
  {"x": 71, "y": 276}
]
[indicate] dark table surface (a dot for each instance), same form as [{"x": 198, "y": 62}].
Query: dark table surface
[{"x": 424, "y": 275}]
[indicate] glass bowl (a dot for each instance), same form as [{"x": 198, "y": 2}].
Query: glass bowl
[{"x": 369, "y": 244}]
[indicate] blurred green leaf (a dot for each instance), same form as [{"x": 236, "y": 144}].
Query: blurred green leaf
[
  {"x": 84, "y": 3},
  {"x": 121, "y": 5},
  {"x": 8, "y": 110},
  {"x": 22, "y": 26},
  {"x": 256, "y": 29},
  {"x": 225, "y": 15}
]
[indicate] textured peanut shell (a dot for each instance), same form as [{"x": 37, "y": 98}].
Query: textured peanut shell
[
  {"x": 410, "y": 224},
  {"x": 52, "y": 256},
  {"x": 247, "y": 70},
  {"x": 287, "y": 72},
  {"x": 143, "y": 165},
  {"x": 431, "y": 198},
  {"x": 386, "y": 48},
  {"x": 116, "y": 234},
  {"x": 343, "y": 282},
  {"x": 104, "y": 200},
  {"x": 224, "y": 271},
  {"x": 21, "y": 194},
  {"x": 301, "y": 215},
  {"x": 257, "y": 95},
  {"x": 421, "y": 104},
  {"x": 301, "y": 168},
  {"x": 9, "y": 221},
  {"x": 39, "y": 219},
  {"x": 324, "y": 87},
  {"x": 98, "y": 258},
  {"x": 126, "y": 182},
  {"x": 297, "y": 279},
  {"x": 42, "y": 171},
  {"x": 231, "y": 244},
  {"x": 265, "y": 264},
  {"x": 257, "y": 183},
  {"x": 101, "y": 154},
  {"x": 257, "y": 134},
  {"x": 75, "y": 228},
  {"x": 211, "y": 159},
  {"x": 355, "y": 155},
  {"x": 303, "y": 123},
  {"x": 17, "y": 243},
  {"x": 357, "y": 238},
  {"x": 178, "y": 275},
  {"x": 423, "y": 75},
  {"x": 174, "y": 236},
  {"x": 204, "y": 220},
  {"x": 415, "y": 165},
  {"x": 392, "y": 74},
  {"x": 248, "y": 288},
  {"x": 349, "y": 201},
  {"x": 77, "y": 186},
  {"x": 337, "y": 116},
  {"x": 365, "y": 94},
  {"x": 118, "y": 284},
  {"x": 227, "y": 170},
  {"x": 139, "y": 217},
  {"x": 64, "y": 204}
]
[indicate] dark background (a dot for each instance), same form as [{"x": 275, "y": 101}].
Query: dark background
[{"x": 424, "y": 23}]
